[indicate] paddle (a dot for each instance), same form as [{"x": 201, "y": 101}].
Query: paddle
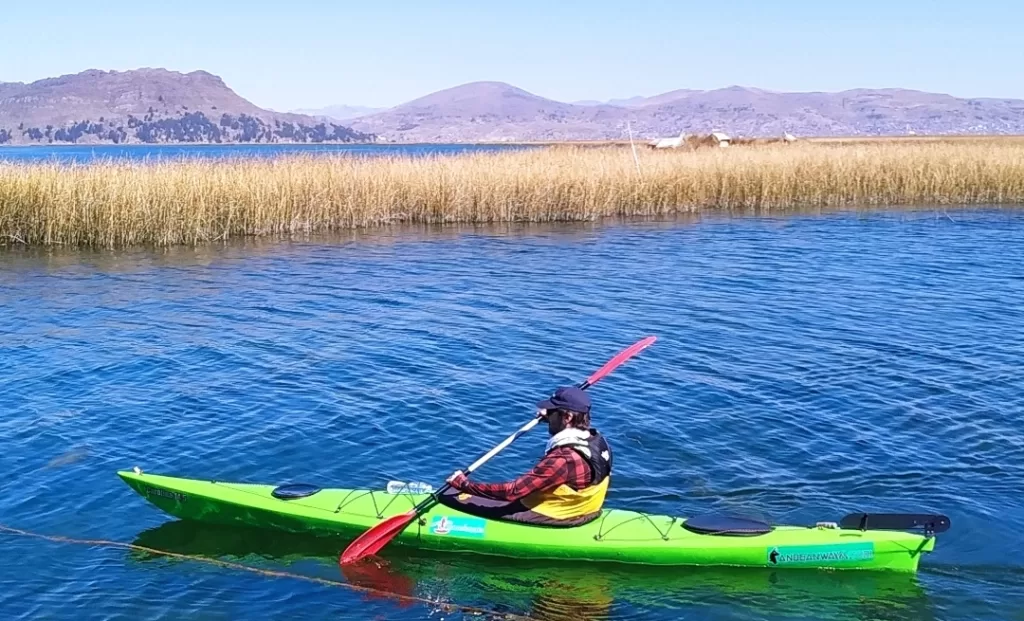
[{"x": 371, "y": 541}]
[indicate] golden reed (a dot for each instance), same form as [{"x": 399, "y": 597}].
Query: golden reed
[{"x": 113, "y": 204}]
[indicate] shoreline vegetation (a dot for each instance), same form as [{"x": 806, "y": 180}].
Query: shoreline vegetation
[
  {"x": 189, "y": 128},
  {"x": 171, "y": 202}
]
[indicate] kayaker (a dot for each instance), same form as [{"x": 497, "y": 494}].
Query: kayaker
[{"x": 566, "y": 487}]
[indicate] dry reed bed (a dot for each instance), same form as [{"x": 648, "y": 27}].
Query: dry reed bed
[{"x": 117, "y": 204}]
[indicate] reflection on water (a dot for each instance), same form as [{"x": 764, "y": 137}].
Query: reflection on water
[
  {"x": 563, "y": 591},
  {"x": 57, "y": 258},
  {"x": 379, "y": 238}
]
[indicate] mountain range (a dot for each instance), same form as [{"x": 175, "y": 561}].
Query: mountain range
[
  {"x": 157, "y": 105},
  {"x": 494, "y": 111},
  {"x": 339, "y": 112}
]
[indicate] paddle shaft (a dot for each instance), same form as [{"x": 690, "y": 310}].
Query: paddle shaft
[
  {"x": 509, "y": 440},
  {"x": 476, "y": 464}
]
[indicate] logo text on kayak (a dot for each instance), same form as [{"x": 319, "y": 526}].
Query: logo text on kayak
[
  {"x": 156, "y": 491},
  {"x": 838, "y": 553}
]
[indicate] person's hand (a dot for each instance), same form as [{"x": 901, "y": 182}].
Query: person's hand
[{"x": 457, "y": 480}]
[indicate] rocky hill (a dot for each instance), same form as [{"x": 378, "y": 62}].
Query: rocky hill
[
  {"x": 149, "y": 106},
  {"x": 488, "y": 111},
  {"x": 491, "y": 111}
]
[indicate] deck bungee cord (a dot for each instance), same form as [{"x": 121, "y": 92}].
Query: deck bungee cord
[{"x": 447, "y": 607}]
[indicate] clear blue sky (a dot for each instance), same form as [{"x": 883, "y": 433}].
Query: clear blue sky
[{"x": 301, "y": 53}]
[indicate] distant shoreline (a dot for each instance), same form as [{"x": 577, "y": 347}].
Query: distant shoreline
[
  {"x": 151, "y": 145},
  {"x": 917, "y": 138},
  {"x": 812, "y": 139}
]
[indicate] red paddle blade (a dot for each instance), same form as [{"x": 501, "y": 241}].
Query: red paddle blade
[
  {"x": 623, "y": 356},
  {"x": 381, "y": 581},
  {"x": 376, "y": 538}
]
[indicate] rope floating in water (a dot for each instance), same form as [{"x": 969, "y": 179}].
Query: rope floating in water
[{"x": 444, "y": 606}]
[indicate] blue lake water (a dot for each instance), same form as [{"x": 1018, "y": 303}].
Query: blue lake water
[
  {"x": 80, "y": 154},
  {"x": 807, "y": 366}
]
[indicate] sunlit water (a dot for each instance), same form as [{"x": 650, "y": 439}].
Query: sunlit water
[{"x": 807, "y": 366}]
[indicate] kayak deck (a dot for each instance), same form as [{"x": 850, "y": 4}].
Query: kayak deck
[{"x": 617, "y": 536}]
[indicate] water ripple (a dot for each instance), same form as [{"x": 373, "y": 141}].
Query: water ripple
[{"x": 806, "y": 366}]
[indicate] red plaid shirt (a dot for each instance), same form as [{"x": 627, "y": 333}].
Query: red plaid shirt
[{"x": 562, "y": 466}]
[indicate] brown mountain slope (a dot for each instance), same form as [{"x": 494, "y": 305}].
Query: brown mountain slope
[
  {"x": 146, "y": 105},
  {"x": 489, "y": 111}
]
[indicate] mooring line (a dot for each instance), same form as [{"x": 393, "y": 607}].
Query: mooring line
[{"x": 444, "y": 606}]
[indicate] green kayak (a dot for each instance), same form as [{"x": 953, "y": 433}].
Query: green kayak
[{"x": 859, "y": 541}]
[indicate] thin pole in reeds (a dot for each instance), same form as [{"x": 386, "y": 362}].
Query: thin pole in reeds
[{"x": 633, "y": 146}]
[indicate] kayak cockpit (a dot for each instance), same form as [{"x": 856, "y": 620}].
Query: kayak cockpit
[
  {"x": 726, "y": 525},
  {"x": 291, "y": 491}
]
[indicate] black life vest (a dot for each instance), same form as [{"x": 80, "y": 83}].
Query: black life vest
[{"x": 598, "y": 455}]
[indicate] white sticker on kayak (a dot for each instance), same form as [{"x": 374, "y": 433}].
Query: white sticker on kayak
[{"x": 458, "y": 526}]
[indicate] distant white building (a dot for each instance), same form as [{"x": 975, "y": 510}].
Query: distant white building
[
  {"x": 788, "y": 137},
  {"x": 715, "y": 138},
  {"x": 669, "y": 143}
]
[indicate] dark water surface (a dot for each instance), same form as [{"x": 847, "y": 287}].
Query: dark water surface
[
  {"x": 81, "y": 154},
  {"x": 807, "y": 366}
]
